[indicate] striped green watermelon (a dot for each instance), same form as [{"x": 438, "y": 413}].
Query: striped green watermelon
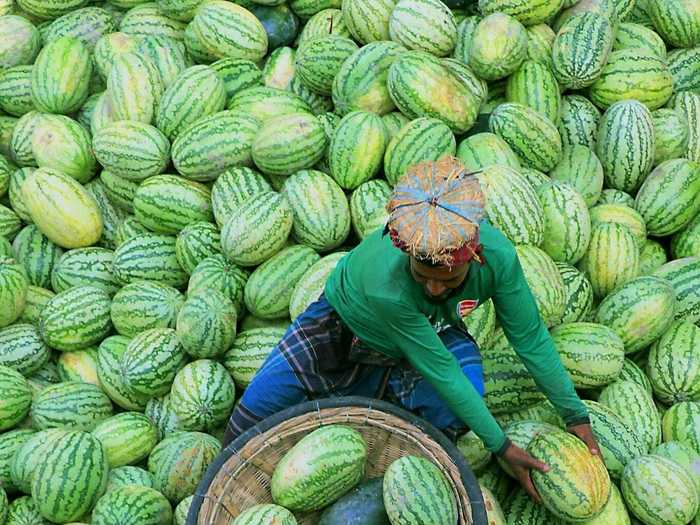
[
  {"x": 367, "y": 20},
  {"x": 682, "y": 454},
  {"x": 481, "y": 323},
  {"x": 167, "y": 54},
  {"x": 508, "y": 384},
  {"x": 545, "y": 282},
  {"x": 13, "y": 291},
  {"x": 539, "y": 44},
  {"x": 87, "y": 24},
  {"x": 195, "y": 243},
  {"x": 633, "y": 74},
  {"x": 10, "y": 223},
  {"x": 683, "y": 275},
  {"x": 677, "y": 21},
  {"x": 265, "y": 103},
  {"x": 24, "y": 510},
  {"x": 674, "y": 367},
  {"x": 499, "y": 46},
  {"x": 213, "y": 144},
  {"x": 320, "y": 209},
  {"x": 10, "y": 444},
  {"x": 679, "y": 178},
  {"x": 134, "y": 88},
  {"x": 614, "y": 510},
  {"x": 148, "y": 257},
  {"x": 368, "y": 207},
  {"x": 632, "y": 372},
  {"x": 319, "y": 60},
  {"x": 425, "y": 25},
  {"x": 102, "y": 114},
  {"x": 521, "y": 509},
  {"x": 289, "y": 143},
  {"x": 21, "y": 139},
  {"x": 16, "y": 90},
  {"x": 269, "y": 289},
  {"x": 112, "y": 216},
  {"x": 686, "y": 243},
  {"x": 577, "y": 486},
  {"x": 534, "y": 85},
  {"x": 658, "y": 490},
  {"x": 129, "y": 228},
  {"x": 652, "y": 256},
  {"x": 422, "y": 139},
  {"x": 151, "y": 360},
  {"x": 631, "y": 35},
  {"x": 71, "y": 477},
  {"x": 279, "y": 68},
  {"x": 671, "y": 135},
  {"x": 177, "y": 109},
  {"x": 312, "y": 283},
  {"x": 619, "y": 442},
  {"x": 357, "y": 149},
  {"x": 474, "y": 451},
  {"x": 621, "y": 214},
  {"x": 532, "y": 137},
  {"x": 412, "y": 72},
  {"x": 84, "y": 267},
  {"x": 28, "y": 454},
  {"x": 160, "y": 411},
  {"x": 580, "y": 167},
  {"x": 132, "y": 150},
  {"x": 217, "y": 273},
  {"x": 577, "y": 66},
  {"x": 249, "y": 322},
  {"x": 60, "y": 76},
  {"x": 232, "y": 188},
  {"x": 578, "y": 294},
  {"x": 486, "y": 149},
  {"x": 179, "y": 462},
  {"x": 318, "y": 103},
  {"x": 497, "y": 481},
  {"x": 592, "y": 353},
  {"x": 465, "y": 38},
  {"x": 21, "y": 41},
  {"x": 36, "y": 300},
  {"x": 258, "y": 230},
  {"x": 639, "y": 311},
  {"x": 249, "y": 351},
  {"x": 237, "y": 74},
  {"x": 181, "y": 511},
  {"x": 265, "y": 514},
  {"x": 567, "y": 222},
  {"x": 437, "y": 504},
  {"x": 148, "y": 20},
  {"x": 578, "y": 123},
  {"x": 309, "y": 8},
  {"x": 202, "y": 395},
  {"x": 80, "y": 365},
  {"x": 22, "y": 348},
  {"x": 319, "y": 468},
  {"x": 684, "y": 65},
  {"x": 36, "y": 254},
  {"x": 529, "y": 14},
  {"x": 521, "y": 434},
  {"x": 612, "y": 258},
  {"x": 132, "y": 504},
  {"x": 195, "y": 48},
  {"x": 682, "y": 423},
  {"x": 47, "y": 375},
  {"x": 71, "y": 405},
  {"x": 108, "y": 47},
  {"x": 605, "y": 8},
  {"x": 143, "y": 305},
  {"x": 128, "y": 475},
  {"x": 227, "y": 30},
  {"x": 636, "y": 407},
  {"x": 126, "y": 438},
  {"x": 206, "y": 323},
  {"x": 16, "y": 399}
]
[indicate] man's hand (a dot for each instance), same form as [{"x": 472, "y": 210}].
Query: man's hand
[
  {"x": 585, "y": 433},
  {"x": 520, "y": 463}
]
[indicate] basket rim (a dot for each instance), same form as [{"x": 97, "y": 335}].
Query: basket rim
[{"x": 471, "y": 485}]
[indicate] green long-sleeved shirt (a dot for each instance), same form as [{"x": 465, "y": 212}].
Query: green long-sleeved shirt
[{"x": 374, "y": 293}]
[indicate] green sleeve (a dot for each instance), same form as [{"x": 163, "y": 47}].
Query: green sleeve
[
  {"x": 520, "y": 318},
  {"x": 424, "y": 350}
]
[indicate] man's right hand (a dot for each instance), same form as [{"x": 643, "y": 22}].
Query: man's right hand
[{"x": 520, "y": 463}]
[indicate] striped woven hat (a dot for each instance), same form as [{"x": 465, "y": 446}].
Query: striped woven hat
[{"x": 434, "y": 213}]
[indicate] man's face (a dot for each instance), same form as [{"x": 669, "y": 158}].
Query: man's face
[{"x": 438, "y": 281}]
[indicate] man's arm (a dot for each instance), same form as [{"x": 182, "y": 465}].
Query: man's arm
[{"x": 519, "y": 316}]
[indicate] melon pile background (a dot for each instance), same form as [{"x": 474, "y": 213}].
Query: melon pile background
[{"x": 178, "y": 178}]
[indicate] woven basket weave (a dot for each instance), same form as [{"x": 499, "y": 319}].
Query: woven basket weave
[{"x": 240, "y": 477}]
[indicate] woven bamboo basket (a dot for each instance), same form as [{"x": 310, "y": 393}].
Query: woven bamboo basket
[{"x": 240, "y": 477}]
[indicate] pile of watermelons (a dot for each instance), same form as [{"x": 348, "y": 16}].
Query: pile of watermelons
[{"x": 179, "y": 177}]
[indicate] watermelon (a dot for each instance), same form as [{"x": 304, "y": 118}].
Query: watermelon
[
  {"x": 620, "y": 214},
  {"x": 673, "y": 366},
  {"x": 368, "y": 20},
  {"x": 578, "y": 294},
  {"x": 258, "y": 230},
  {"x": 132, "y": 504},
  {"x": 682, "y": 454},
  {"x": 686, "y": 243},
  {"x": 148, "y": 257},
  {"x": 28, "y": 454},
  {"x": 112, "y": 216},
  {"x": 102, "y": 114},
  {"x": 13, "y": 291},
  {"x": 11, "y": 441},
  {"x": 680, "y": 178},
  {"x": 412, "y": 72},
  {"x": 677, "y": 21},
  {"x": 195, "y": 243},
  {"x": 87, "y": 24},
  {"x": 24, "y": 510},
  {"x": 520, "y": 508},
  {"x": 567, "y": 223},
  {"x": 21, "y": 41},
  {"x": 10, "y": 223},
  {"x": 636, "y": 407},
  {"x": 71, "y": 477},
  {"x": 474, "y": 451},
  {"x": 539, "y": 44},
  {"x": 592, "y": 353},
  {"x": 71, "y": 405},
  {"x": 80, "y": 366},
  {"x": 132, "y": 150},
  {"x": 579, "y": 166},
  {"x": 36, "y": 300},
  {"x": 179, "y": 462},
  {"x": 160, "y": 411},
  {"x": 232, "y": 188},
  {"x": 237, "y": 74},
  {"x": 632, "y": 372},
  {"x": 465, "y": 38},
  {"x": 486, "y": 149},
  {"x": 581, "y": 48},
  {"x": 216, "y": 273},
  {"x": 249, "y": 351},
  {"x": 213, "y": 144},
  {"x": 633, "y": 74},
  {"x": 319, "y": 60},
  {"x": 312, "y": 283},
  {"x": 652, "y": 256},
  {"x": 17, "y": 397},
  {"x": 250, "y": 322},
  {"x": 206, "y": 324},
  {"x": 265, "y": 103},
  {"x": 128, "y": 475},
  {"x": 151, "y": 361},
  {"x": 265, "y": 514},
  {"x": 167, "y": 54},
  {"x": 128, "y": 228},
  {"x": 62, "y": 209},
  {"x": 681, "y": 423},
  {"x": 534, "y": 85},
  {"x": 21, "y": 139},
  {"x": 143, "y": 305},
  {"x": 84, "y": 267},
  {"x": 544, "y": 280},
  {"x": 499, "y": 46},
  {"x": 521, "y": 434},
  {"x": 631, "y": 35},
  {"x": 37, "y": 255},
  {"x": 148, "y": 20},
  {"x": 439, "y": 508},
  {"x": 577, "y": 486},
  {"x": 682, "y": 275},
  {"x": 425, "y": 25},
  {"x": 134, "y": 88},
  {"x": 368, "y": 207},
  {"x": 202, "y": 395},
  {"x": 126, "y": 438},
  {"x": 684, "y": 65},
  {"x": 110, "y": 46},
  {"x": 658, "y": 490},
  {"x": 605, "y": 8},
  {"x": 22, "y": 348},
  {"x": 614, "y": 510},
  {"x": 119, "y": 191},
  {"x": 181, "y": 511},
  {"x": 16, "y": 90}
]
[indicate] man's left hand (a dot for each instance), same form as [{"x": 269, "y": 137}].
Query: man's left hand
[{"x": 585, "y": 433}]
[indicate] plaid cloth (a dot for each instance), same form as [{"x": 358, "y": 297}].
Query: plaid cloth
[{"x": 320, "y": 357}]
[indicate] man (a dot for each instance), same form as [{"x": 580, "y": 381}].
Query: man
[{"x": 391, "y": 321}]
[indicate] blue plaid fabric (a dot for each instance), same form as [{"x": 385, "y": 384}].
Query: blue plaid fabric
[{"x": 320, "y": 357}]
